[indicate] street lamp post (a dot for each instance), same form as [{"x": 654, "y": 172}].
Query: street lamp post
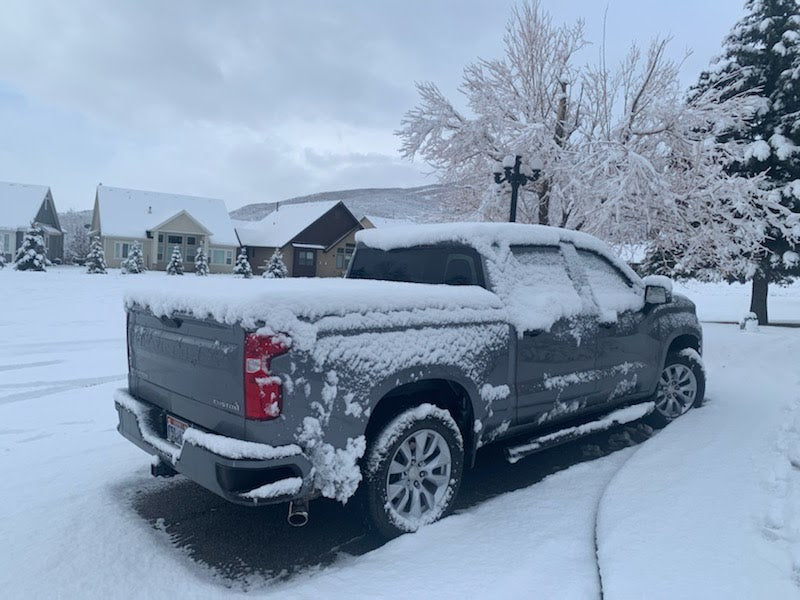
[{"x": 514, "y": 172}]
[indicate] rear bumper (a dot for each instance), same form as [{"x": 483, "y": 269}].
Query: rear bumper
[{"x": 241, "y": 472}]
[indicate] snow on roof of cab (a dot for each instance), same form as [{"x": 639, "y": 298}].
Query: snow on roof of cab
[
  {"x": 131, "y": 213},
  {"x": 19, "y": 204},
  {"x": 283, "y": 224},
  {"x": 474, "y": 234},
  {"x": 484, "y": 237}
]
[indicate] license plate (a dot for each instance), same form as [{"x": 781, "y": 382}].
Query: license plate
[{"x": 175, "y": 429}]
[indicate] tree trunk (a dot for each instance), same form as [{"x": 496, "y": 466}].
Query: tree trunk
[
  {"x": 758, "y": 300},
  {"x": 544, "y": 203}
]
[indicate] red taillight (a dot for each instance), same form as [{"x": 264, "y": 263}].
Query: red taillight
[{"x": 262, "y": 391}]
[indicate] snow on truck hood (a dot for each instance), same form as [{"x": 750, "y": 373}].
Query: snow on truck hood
[{"x": 301, "y": 307}]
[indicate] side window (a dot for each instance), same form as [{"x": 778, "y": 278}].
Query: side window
[
  {"x": 540, "y": 289},
  {"x": 612, "y": 290}
]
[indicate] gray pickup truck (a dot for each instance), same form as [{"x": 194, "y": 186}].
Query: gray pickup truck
[{"x": 440, "y": 340}]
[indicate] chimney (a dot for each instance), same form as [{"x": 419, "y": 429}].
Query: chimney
[{"x": 149, "y": 210}]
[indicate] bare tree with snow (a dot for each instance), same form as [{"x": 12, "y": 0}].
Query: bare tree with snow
[{"x": 625, "y": 155}]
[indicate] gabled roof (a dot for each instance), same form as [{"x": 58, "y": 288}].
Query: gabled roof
[
  {"x": 384, "y": 222},
  {"x": 20, "y": 203},
  {"x": 131, "y": 213},
  {"x": 282, "y": 225}
]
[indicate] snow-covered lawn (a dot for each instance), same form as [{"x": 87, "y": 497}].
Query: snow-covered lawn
[{"x": 707, "y": 508}]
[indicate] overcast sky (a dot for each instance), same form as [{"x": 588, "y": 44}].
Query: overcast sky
[{"x": 261, "y": 101}]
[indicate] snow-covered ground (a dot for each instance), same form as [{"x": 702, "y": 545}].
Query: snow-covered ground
[{"x": 707, "y": 508}]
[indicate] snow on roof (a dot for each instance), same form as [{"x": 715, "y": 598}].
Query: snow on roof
[
  {"x": 19, "y": 204},
  {"x": 385, "y": 222},
  {"x": 472, "y": 234},
  {"x": 283, "y": 224},
  {"x": 131, "y": 213},
  {"x": 487, "y": 238}
]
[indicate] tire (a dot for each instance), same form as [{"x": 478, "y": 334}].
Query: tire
[
  {"x": 681, "y": 386},
  {"x": 400, "y": 494}
]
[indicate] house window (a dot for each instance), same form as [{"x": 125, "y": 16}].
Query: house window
[
  {"x": 343, "y": 256},
  {"x": 121, "y": 250},
  {"x": 175, "y": 239},
  {"x": 160, "y": 253},
  {"x": 191, "y": 241},
  {"x": 305, "y": 258},
  {"x": 5, "y": 243},
  {"x": 222, "y": 257},
  {"x": 160, "y": 237}
]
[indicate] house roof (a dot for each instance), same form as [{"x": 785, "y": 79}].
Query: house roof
[
  {"x": 20, "y": 203},
  {"x": 282, "y": 225},
  {"x": 384, "y": 222},
  {"x": 131, "y": 213}
]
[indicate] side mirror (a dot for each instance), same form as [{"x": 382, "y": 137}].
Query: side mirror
[{"x": 655, "y": 294}]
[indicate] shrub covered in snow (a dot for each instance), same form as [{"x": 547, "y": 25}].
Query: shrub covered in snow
[
  {"x": 175, "y": 264},
  {"x": 135, "y": 261},
  {"x": 201, "y": 262},
  {"x": 275, "y": 268},
  {"x": 96, "y": 259},
  {"x": 242, "y": 266},
  {"x": 32, "y": 255}
]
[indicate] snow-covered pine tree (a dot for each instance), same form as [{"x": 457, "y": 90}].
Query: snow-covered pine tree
[
  {"x": 275, "y": 268},
  {"x": 200, "y": 262},
  {"x": 135, "y": 262},
  {"x": 2, "y": 259},
  {"x": 32, "y": 256},
  {"x": 96, "y": 259},
  {"x": 242, "y": 266},
  {"x": 175, "y": 264},
  {"x": 762, "y": 56}
]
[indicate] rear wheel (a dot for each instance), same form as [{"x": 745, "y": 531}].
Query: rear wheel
[
  {"x": 681, "y": 386},
  {"x": 413, "y": 470}
]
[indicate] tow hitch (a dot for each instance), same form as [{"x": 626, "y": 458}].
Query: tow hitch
[{"x": 161, "y": 468}]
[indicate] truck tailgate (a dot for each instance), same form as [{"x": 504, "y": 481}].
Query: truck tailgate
[{"x": 191, "y": 368}]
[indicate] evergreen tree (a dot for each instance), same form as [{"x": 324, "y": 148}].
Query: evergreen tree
[
  {"x": 135, "y": 261},
  {"x": 96, "y": 259},
  {"x": 31, "y": 256},
  {"x": 242, "y": 266},
  {"x": 762, "y": 55},
  {"x": 175, "y": 264},
  {"x": 2, "y": 259},
  {"x": 275, "y": 268},
  {"x": 201, "y": 262}
]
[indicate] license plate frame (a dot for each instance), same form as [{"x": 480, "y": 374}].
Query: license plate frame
[{"x": 175, "y": 430}]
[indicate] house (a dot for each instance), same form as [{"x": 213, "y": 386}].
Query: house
[
  {"x": 316, "y": 239},
  {"x": 372, "y": 221},
  {"x": 161, "y": 222},
  {"x": 20, "y": 206}
]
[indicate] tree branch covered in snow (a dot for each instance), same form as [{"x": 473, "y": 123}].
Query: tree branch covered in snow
[{"x": 626, "y": 155}]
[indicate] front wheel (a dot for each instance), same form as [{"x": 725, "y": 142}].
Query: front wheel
[
  {"x": 413, "y": 470},
  {"x": 681, "y": 386}
]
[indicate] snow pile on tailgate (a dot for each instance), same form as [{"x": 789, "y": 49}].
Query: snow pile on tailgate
[{"x": 301, "y": 308}]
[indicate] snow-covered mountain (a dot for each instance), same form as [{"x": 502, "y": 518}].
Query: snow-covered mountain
[{"x": 417, "y": 204}]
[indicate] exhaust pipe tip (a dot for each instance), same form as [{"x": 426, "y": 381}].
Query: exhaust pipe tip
[{"x": 298, "y": 513}]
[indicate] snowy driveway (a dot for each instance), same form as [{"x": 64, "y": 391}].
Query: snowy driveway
[{"x": 706, "y": 508}]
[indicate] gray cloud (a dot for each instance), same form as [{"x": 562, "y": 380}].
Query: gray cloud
[{"x": 251, "y": 100}]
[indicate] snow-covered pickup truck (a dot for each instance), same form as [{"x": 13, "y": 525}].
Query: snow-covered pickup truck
[{"x": 442, "y": 338}]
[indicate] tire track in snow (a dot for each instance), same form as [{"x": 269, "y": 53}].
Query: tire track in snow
[{"x": 54, "y": 387}]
